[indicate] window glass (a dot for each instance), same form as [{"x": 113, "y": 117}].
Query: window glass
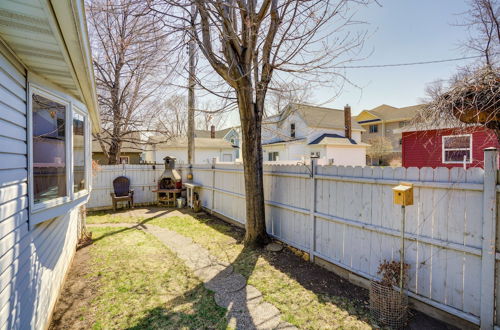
[
  {"x": 373, "y": 128},
  {"x": 457, "y": 148},
  {"x": 292, "y": 130},
  {"x": 273, "y": 156},
  {"x": 79, "y": 141},
  {"x": 49, "y": 149},
  {"x": 124, "y": 159},
  {"x": 316, "y": 154}
]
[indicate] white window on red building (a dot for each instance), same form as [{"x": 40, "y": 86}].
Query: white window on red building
[{"x": 457, "y": 149}]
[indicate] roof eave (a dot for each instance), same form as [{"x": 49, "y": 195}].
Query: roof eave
[{"x": 70, "y": 17}]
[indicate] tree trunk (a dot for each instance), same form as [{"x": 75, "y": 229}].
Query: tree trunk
[
  {"x": 253, "y": 171},
  {"x": 114, "y": 152}
]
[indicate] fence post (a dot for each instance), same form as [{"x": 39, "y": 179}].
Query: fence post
[
  {"x": 489, "y": 238},
  {"x": 214, "y": 161},
  {"x": 312, "y": 209}
]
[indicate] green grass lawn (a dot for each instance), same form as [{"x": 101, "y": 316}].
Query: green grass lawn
[
  {"x": 142, "y": 285},
  {"x": 299, "y": 305}
]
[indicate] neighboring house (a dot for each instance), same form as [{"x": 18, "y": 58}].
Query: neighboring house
[
  {"x": 446, "y": 147},
  {"x": 302, "y": 131},
  {"x": 47, "y": 110},
  {"x": 205, "y": 149},
  {"x": 382, "y": 121},
  {"x": 131, "y": 152},
  {"x": 230, "y": 134}
]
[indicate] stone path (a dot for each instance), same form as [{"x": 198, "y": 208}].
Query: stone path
[{"x": 246, "y": 308}]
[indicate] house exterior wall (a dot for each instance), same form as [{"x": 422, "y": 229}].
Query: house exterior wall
[
  {"x": 424, "y": 148},
  {"x": 281, "y": 131},
  {"x": 346, "y": 156},
  {"x": 297, "y": 151},
  {"x": 393, "y": 137},
  {"x": 233, "y": 135},
  {"x": 33, "y": 259},
  {"x": 134, "y": 157},
  {"x": 201, "y": 156}
]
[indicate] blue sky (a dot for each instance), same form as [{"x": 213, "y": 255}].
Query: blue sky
[{"x": 403, "y": 31}]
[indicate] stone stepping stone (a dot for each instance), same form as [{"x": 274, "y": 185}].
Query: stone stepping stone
[
  {"x": 261, "y": 316},
  {"x": 239, "y": 300},
  {"x": 209, "y": 273},
  {"x": 226, "y": 284},
  {"x": 285, "y": 326},
  {"x": 246, "y": 308},
  {"x": 274, "y": 247}
]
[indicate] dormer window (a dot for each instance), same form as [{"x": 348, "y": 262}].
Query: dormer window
[{"x": 292, "y": 130}]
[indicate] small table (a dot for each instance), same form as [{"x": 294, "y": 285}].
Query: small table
[
  {"x": 168, "y": 196},
  {"x": 190, "y": 189}
]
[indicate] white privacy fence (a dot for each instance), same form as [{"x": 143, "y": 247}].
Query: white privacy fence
[
  {"x": 346, "y": 216},
  {"x": 143, "y": 180}
]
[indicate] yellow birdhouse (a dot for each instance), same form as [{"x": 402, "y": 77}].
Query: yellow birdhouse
[{"x": 403, "y": 194}]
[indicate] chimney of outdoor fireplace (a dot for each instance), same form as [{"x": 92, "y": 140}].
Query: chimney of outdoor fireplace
[
  {"x": 212, "y": 132},
  {"x": 347, "y": 121}
]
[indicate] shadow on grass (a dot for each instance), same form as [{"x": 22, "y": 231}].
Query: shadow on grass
[
  {"x": 130, "y": 226},
  {"x": 204, "y": 313}
]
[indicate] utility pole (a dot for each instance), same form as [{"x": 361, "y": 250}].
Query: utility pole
[{"x": 191, "y": 85}]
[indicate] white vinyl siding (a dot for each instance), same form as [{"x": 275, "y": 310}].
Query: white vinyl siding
[{"x": 33, "y": 261}]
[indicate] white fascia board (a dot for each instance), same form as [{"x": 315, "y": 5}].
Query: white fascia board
[{"x": 70, "y": 19}]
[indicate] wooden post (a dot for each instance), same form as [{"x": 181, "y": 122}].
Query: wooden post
[
  {"x": 489, "y": 238},
  {"x": 214, "y": 160},
  {"x": 191, "y": 96},
  {"x": 402, "y": 250},
  {"x": 312, "y": 209}
]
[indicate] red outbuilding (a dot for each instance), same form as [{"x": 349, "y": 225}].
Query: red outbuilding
[{"x": 446, "y": 147}]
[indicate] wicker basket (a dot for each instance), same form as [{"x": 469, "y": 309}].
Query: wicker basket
[{"x": 388, "y": 306}]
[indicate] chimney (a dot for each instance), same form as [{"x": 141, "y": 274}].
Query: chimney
[
  {"x": 212, "y": 132},
  {"x": 347, "y": 121}
]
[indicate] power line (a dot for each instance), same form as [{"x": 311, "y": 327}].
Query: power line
[{"x": 409, "y": 64}]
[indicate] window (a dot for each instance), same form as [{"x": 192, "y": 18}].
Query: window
[
  {"x": 124, "y": 159},
  {"x": 273, "y": 156},
  {"x": 49, "y": 149},
  {"x": 400, "y": 142},
  {"x": 457, "y": 148},
  {"x": 315, "y": 154},
  {"x": 59, "y": 153},
  {"x": 292, "y": 130},
  {"x": 373, "y": 129},
  {"x": 79, "y": 147},
  {"x": 402, "y": 124}
]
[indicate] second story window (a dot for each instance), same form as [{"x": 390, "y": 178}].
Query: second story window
[
  {"x": 273, "y": 156},
  {"x": 373, "y": 129},
  {"x": 292, "y": 130}
]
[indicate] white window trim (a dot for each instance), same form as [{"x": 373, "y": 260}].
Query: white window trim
[
  {"x": 443, "y": 159},
  {"x": 87, "y": 163},
  {"x": 46, "y": 210},
  {"x": 33, "y": 89},
  {"x": 128, "y": 159}
]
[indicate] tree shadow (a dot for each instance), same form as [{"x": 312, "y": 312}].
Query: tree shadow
[
  {"x": 204, "y": 313},
  {"x": 325, "y": 285},
  {"x": 128, "y": 226}
]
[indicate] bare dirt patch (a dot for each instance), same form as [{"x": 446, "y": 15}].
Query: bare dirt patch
[{"x": 72, "y": 308}]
